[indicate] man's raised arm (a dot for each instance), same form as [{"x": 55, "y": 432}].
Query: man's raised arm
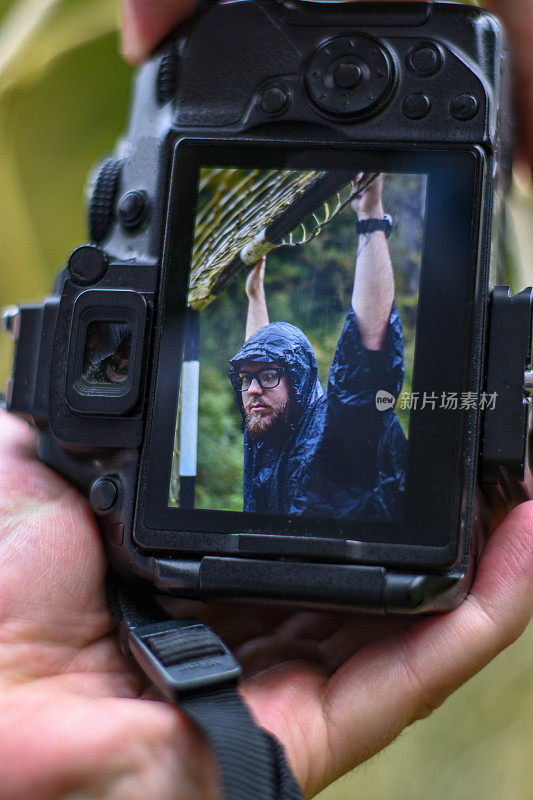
[
  {"x": 373, "y": 286},
  {"x": 257, "y": 316}
]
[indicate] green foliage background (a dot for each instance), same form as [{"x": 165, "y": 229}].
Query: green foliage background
[
  {"x": 63, "y": 101},
  {"x": 64, "y": 95}
]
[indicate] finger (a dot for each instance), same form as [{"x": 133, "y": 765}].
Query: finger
[
  {"x": 402, "y": 677},
  {"x": 59, "y": 744},
  {"x": 411, "y": 673},
  {"x": 258, "y": 655},
  {"x": 18, "y": 439},
  {"x": 504, "y": 581},
  {"x": 359, "y": 632},
  {"x": 234, "y": 623},
  {"x": 517, "y": 16},
  {"x": 146, "y": 22},
  {"x": 311, "y": 625},
  {"x": 52, "y": 559}
]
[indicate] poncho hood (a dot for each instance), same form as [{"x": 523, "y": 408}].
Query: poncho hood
[{"x": 285, "y": 343}]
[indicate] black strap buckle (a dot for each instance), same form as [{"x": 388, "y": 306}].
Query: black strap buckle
[
  {"x": 182, "y": 656},
  {"x": 189, "y": 664}
]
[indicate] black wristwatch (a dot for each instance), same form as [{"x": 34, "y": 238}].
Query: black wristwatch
[{"x": 370, "y": 225}]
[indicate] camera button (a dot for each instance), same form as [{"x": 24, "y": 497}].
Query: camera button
[
  {"x": 464, "y": 107},
  {"x": 117, "y": 534},
  {"x": 132, "y": 208},
  {"x": 347, "y": 75},
  {"x": 87, "y": 264},
  {"x": 426, "y": 59},
  {"x": 104, "y": 494},
  {"x": 274, "y": 99},
  {"x": 10, "y": 321},
  {"x": 10, "y": 386},
  {"x": 416, "y": 106}
]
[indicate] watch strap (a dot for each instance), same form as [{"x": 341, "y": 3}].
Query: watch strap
[{"x": 372, "y": 224}]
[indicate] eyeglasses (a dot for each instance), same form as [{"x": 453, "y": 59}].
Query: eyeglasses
[{"x": 267, "y": 378}]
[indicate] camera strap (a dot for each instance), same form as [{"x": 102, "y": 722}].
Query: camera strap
[{"x": 193, "y": 668}]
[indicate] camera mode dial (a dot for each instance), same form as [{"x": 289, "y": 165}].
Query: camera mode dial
[
  {"x": 102, "y": 198},
  {"x": 350, "y": 75}
]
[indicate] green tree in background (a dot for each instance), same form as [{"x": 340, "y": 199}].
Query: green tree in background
[{"x": 64, "y": 93}]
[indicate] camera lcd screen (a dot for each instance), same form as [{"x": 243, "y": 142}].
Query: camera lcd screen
[
  {"x": 299, "y": 347},
  {"x": 314, "y": 345}
]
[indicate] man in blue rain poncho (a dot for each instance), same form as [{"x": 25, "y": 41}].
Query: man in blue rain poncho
[{"x": 340, "y": 453}]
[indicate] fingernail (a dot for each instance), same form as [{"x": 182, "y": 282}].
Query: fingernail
[{"x": 131, "y": 43}]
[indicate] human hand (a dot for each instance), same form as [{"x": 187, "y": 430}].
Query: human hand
[
  {"x": 333, "y": 688},
  {"x": 146, "y": 22},
  {"x": 254, "y": 286},
  {"x": 75, "y": 718},
  {"x": 367, "y": 204}
]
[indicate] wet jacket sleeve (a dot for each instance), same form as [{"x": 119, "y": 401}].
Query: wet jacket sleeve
[
  {"x": 358, "y": 374},
  {"x": 360, "y": 461}
]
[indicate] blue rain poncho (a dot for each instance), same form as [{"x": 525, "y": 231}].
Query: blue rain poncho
[{"x": 339, "y": 457}]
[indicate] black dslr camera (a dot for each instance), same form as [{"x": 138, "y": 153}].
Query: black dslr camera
[{"x": 284, "y": 369}]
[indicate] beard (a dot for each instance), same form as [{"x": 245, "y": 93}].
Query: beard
[{"x": 260, "y": 427}]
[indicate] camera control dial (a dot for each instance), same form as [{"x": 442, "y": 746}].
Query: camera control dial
[
  {"x": 102, "y": 198},
  {"x": 350, "y": 75}
]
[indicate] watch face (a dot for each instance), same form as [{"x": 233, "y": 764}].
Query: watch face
[{"x": 310, "y": 368}]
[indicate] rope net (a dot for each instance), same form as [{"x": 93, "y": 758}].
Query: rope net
[{"x": 245, "y": 213}]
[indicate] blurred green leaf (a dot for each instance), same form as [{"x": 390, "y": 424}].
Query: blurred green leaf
[
  {"x": 20, "y": 26},
  {"x": 39, "y": 32},
  {"x": 63, "y": 101}
]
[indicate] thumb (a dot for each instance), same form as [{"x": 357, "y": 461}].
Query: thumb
[{"x": 146, "y": 22}]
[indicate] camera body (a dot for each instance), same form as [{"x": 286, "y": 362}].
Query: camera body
[{"x": 408, "y": 89}]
